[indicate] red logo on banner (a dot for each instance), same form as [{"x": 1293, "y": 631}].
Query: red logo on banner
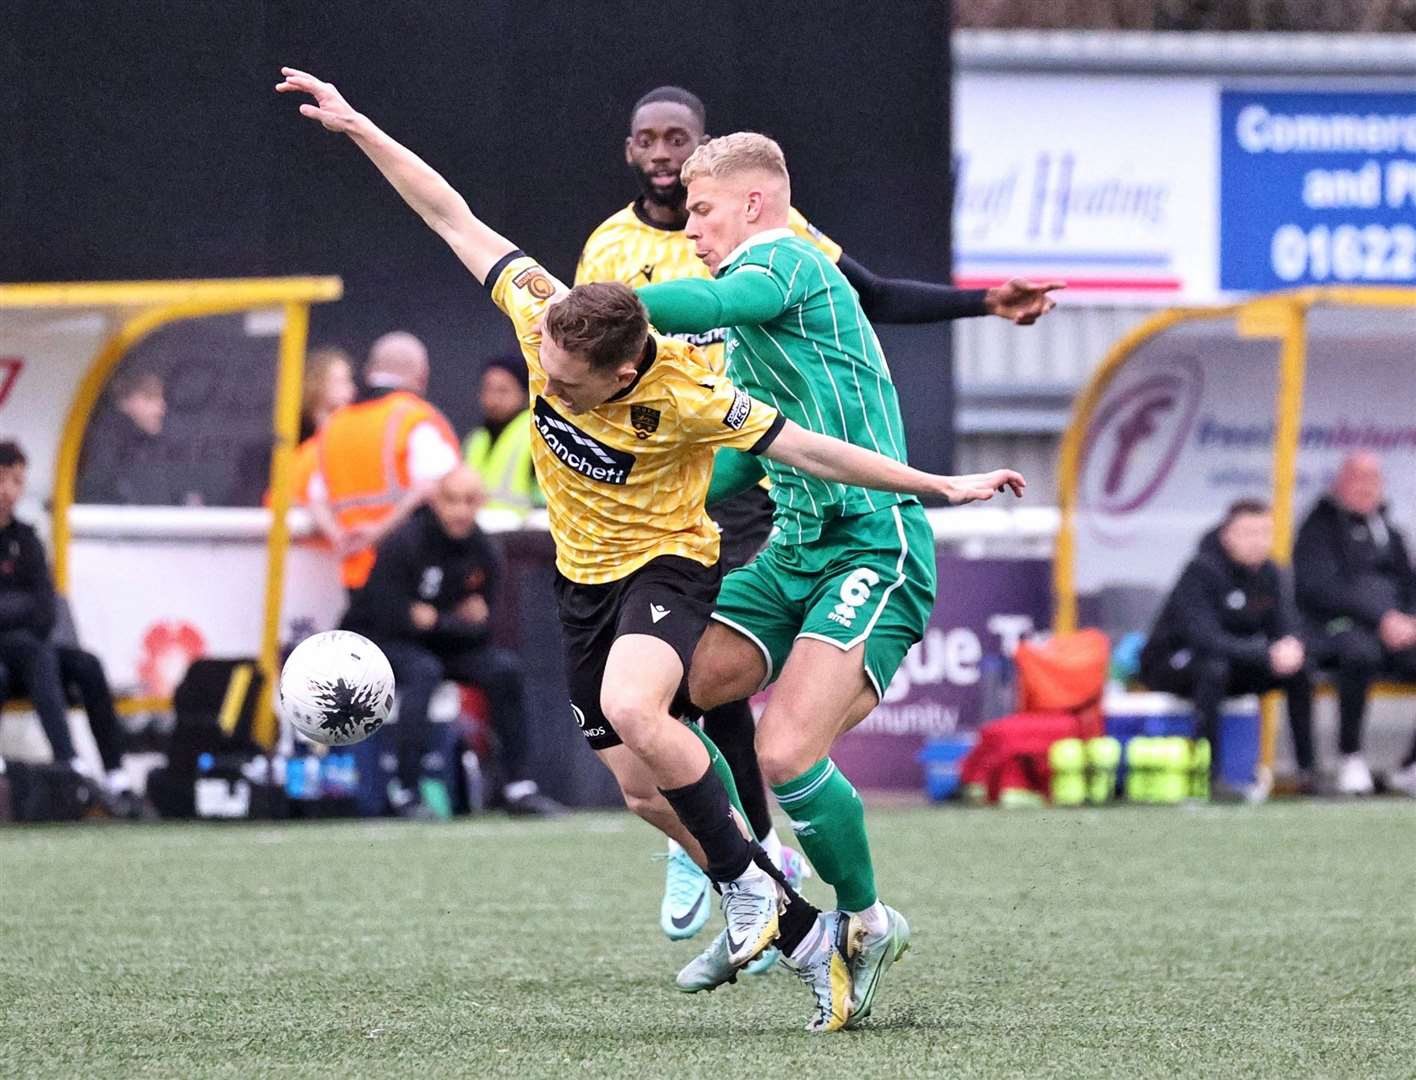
[
  {"x": 168, "y": 650},
  {"x": 10, "y": 368}
]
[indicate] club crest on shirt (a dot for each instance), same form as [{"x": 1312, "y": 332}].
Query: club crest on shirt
[{"x": 644, "y": 419}]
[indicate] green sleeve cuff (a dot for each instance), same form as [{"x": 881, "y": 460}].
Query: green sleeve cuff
[{"x": 734, "y": 471}]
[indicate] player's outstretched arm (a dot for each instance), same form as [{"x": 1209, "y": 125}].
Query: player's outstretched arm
[
  {"x": 832, "y": 459},
  {"x": 904, "y": 300},
  {"x": 433, "y": 198}
]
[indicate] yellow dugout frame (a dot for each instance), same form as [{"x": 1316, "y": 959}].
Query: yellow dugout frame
[
  {"x": 143, "y": 307},
  {"x": 1279, "y": 316}
]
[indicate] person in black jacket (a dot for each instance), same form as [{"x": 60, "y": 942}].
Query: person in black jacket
[
  {"x": 36, "y": 665},
  {"x": 1357, "y": 594},
  {"x": 125, "y": 459},
  {"x": 1228, "y": 628},
  {"x": 426, "y": 604}
]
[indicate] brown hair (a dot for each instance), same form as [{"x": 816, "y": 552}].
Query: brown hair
[
  {"x": 137, "y": 381},
  {"x": 742, "y": 151},
  {"x": 602, "y": 321},
  {"x": 317, "y": 366},
  {"x": 1243, "y": 508}
]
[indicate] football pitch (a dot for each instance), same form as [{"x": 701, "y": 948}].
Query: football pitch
[{"x": 1214, "y": 941}]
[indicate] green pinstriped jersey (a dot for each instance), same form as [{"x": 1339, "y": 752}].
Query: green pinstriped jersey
[{"x": 820, "y": 364}]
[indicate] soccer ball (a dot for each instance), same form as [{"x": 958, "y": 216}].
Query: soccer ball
[{"x": 336, "y": 688}]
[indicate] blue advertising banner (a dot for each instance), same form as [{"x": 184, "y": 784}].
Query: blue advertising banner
[{"x": 1317, "y": 188}]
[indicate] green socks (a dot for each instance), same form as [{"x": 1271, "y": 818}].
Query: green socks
[{"x": 829, "y": 821}]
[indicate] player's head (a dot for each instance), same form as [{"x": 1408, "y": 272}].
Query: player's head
[
  {"x": 502, "y": 391},
  {"x": 591, "y": 343},
  {"x": 456, "y": 500},
  {"x": 1359, "y": 488},
  {"x": 13, "y": 468},
  {"x": 737, "y": 186},
  {"x": 397, "y": 361},
  {"x": 141, "y": 397},
  {"x": 1246, "y": 533},
  {"x": 667, "y": 125}
]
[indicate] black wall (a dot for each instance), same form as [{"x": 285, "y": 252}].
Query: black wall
[{"x": 143, "y": 140}]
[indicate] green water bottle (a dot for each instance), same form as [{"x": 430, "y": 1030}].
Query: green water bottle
[
  {"x": 1200, "y": 770},
  {"x": 1103, "y": 757},
  {"x": 1170, "y": 781},
  {"x": 1140, "y": 763},
  {"x": 1067, "y": 759}
]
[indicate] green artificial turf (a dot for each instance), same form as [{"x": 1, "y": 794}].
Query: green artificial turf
[{"x": 1225, "y": 941}]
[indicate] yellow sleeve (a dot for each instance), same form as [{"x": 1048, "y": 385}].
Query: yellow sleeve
[
  {"x": 596, "y": 259},
  {"x": 812, "y": 235},
  {"x": 521, "y": 287},
  {"x": 716, "y": 412}
]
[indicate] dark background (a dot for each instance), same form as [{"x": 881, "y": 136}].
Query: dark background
[{"x": 143, "y": 140}]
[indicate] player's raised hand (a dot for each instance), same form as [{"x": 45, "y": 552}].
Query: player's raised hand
[
  {"x": 1022, "y": 301},
  {"x": 330, "y": 108},
  {"x": 980, "y": 487}
]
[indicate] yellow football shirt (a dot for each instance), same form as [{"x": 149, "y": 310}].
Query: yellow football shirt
[
  {"x": 628, "y": 249},
  {"x": 625, "y": 481}
]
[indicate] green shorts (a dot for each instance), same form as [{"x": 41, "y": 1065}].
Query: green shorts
[{"x": 867, "y": 578}]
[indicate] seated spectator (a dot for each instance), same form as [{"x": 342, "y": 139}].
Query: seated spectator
[
  {"x": 35, "y": 664},
  {"x": 500, "y": 450},
  {"x": 329, "y": 386},
  {"x": 426, "y": 604},
  {"x": 1228, "y": 627},
  {"x": 1357, "y": 594},
  {"x": 125, "y": 459}
]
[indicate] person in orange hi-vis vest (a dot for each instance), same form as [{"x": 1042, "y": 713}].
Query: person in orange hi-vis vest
[{"x": 379, "y": 458}]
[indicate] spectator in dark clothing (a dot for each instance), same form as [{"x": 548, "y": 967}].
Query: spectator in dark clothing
[
  {"x": 1228, "y": 627},
  {"x": 1357, "y": 594},
  {"x": 426, "y": 604},
  {"x": 124, "y": 459},
  {"x": 36, "y": 666}
]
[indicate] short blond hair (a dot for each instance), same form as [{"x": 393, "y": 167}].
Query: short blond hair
[{"x": 742, "y": 151}]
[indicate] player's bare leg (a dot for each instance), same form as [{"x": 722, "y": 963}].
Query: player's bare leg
[
  {"x": 726, "y": 667},
  {"x": 642, "y": 675},
  {"x": 823, "y": 692}
]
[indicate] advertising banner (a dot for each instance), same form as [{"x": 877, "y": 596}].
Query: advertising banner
[
  {"x": 1106, "y": 181},
  {"x": 985, "y": 607},
  {"x": 1317, "y": 188}
]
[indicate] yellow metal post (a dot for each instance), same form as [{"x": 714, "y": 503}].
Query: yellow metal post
[
  {"x": 1288, "y": 426},
  {"x": 289, "y": 377}
]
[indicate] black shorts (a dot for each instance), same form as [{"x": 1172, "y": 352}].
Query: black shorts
[
  {"x": 745, "y": 522},
  {"x": 669, "y": 598}
]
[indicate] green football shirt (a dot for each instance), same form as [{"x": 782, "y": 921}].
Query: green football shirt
[{"x": 804, "y": 346}]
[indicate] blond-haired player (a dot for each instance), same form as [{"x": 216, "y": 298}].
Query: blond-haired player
[
  {"x": 644, "y": 243},
  {"x": 626, "y": 425}
]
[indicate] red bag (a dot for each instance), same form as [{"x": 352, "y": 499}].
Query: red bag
[{"x": 1060, "y": 683}]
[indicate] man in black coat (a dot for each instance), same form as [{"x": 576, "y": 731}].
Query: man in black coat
[
  {"x": 1229, "y": 628},
  {"x": 1357, "y": 594},
  {"x": 426, "y": 604},
  {"x": 125, "y": 460},
  {"x": 36, "y": 665}
]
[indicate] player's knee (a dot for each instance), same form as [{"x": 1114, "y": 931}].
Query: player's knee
[
  {"x": 782, "y": 760},
  {"x": 632, "y": 715}
]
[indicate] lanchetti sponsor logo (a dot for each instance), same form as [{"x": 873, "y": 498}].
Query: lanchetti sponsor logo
[{"x": 585, "y": 454}]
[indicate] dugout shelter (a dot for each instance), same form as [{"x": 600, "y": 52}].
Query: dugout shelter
[
  {"x": 60, "y": 344},
  {"x": 1201, "y": 406}
]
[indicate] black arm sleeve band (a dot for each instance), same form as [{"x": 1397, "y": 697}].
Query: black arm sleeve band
[
  {"x": 501, "y": 264},
  {"x": 902, "y": 300},
  {"x": 769, "y": 436}
]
